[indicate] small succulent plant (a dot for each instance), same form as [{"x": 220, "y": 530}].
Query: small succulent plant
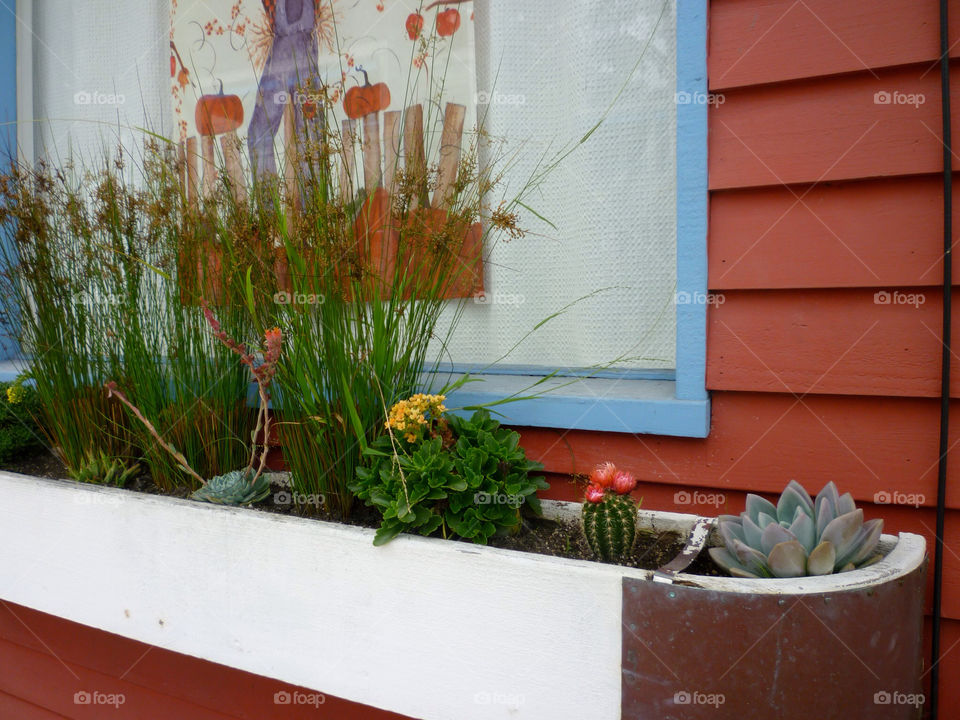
[
  {"x": 798, "y": 536},
  {"x": 102, "y": 469},
  {"x": 609, "y": 515},
  {"x": 238, "y": 487}
]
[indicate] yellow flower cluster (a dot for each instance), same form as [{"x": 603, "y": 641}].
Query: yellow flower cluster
[
  {"x": 15, "y": 393},
  {"x": 410, "y": 416}
]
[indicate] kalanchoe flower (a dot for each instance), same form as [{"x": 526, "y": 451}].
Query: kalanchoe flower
[
  {"x": 603, "y": 474},
  {"x": 594, "y": 493},
  {"x": 624, "y": 483}
]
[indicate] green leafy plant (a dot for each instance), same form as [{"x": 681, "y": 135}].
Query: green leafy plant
[
  {"x": 438, "y": 472},
  {"x": 102, "y": 469},
  {"x": 797, "y": 536},
  {"x": 609, "y": 515},
  {"x": 19, "y": 432}
]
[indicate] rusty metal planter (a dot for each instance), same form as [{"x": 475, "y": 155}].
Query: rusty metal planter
[{"x": 838, "y": 646}]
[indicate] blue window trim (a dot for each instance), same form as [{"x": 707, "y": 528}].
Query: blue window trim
[
  {"x": 662, "y": 403},
  {"x": 8, "y": 122},
  {"x": 678, "y": 403}
]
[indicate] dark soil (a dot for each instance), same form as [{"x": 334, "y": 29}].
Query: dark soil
[
  {"x": 565, "y": 538},
  {"x": 42, "y": 464},
  {"x": 560, "y": 538}
]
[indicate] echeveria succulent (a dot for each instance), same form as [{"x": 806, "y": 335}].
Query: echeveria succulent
[
  {"x": 239, "y": 487},
  {"x": 798, "y": 536}
]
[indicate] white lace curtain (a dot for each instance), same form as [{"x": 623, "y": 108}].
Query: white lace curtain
[{"x": 550, "y": 70}]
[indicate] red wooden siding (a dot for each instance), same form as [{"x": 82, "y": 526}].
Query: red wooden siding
[
  {"x": 843, "y": 342},
  {"x": 825, "y": 236},
  {"x": 764, "y": 41},
  {"x": 45, "y": 660}
]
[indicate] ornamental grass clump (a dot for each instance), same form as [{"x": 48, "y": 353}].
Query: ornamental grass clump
[
  {"x": 237, "y": 487},
  {"x": 368, "y": 278},
  {"x": 60, "y": 275},
  {"x": 609, "y": 514},
  {"x": 798, "y": 536},
  {"x": 434, "y": 472},
  {"x": 99, "y": 270}
]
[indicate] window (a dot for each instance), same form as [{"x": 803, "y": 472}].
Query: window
[
  {"x": 636, "y": 193},
  {"x": 630, "y": 204}
]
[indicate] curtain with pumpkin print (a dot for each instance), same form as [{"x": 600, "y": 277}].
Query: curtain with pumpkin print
[{"x": 246, "y": 78}]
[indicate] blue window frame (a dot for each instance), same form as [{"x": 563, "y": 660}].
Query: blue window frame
[
  {"x": 657, "y": 402},
  {"x": 8, "y": 127},
  {"x": 671, "y": 403}
]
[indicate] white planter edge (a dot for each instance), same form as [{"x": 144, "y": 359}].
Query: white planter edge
[{"x": 424, "y": 627}]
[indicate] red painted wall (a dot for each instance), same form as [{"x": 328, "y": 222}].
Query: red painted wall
[
  {"x": 49, "y": 666},
  {"x": 820, "y": 197}
]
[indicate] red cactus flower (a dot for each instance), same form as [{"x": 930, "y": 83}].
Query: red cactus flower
[
  {"x": 603, "y": 475},
  {"x": 624, "y": 482},
  {"x": 594, "y": 493}
]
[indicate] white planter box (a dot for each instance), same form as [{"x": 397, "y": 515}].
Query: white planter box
[{"x": 424, "y": 627}]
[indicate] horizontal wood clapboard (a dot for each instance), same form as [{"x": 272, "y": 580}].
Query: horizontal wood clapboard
[{"x": 754, "y": 42}]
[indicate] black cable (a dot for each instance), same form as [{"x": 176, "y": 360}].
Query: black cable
[{"x": 945, "y": 356}]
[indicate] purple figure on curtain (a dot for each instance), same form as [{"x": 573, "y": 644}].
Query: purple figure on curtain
[{"x": 291, "y": 62}]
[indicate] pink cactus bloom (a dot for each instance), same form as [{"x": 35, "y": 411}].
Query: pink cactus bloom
[
  {"x": 603, "y": 475},
  {"x": 624, "y": 482},
  {"x": 594, "y": 493}
]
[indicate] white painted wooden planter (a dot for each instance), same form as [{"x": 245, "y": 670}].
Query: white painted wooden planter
[{"x": 424, "y": 627}]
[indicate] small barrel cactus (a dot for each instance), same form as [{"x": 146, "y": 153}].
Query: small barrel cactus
[
  {"x": 798, "y": 536},
  {"x": 609, "y": 514}
]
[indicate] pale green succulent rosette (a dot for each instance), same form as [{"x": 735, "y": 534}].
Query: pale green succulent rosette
[{"x": 798, "y": 536}]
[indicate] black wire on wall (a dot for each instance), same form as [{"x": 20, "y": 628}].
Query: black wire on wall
[{"x": 945, "y": 356}]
